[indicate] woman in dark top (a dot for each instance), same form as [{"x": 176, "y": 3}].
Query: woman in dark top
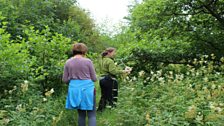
[
  {"x": 108, "y": 83},
  {"x": 80, "y": 74}
]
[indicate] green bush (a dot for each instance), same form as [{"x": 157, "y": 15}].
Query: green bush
[
  {"x": 194, "y": 98},
  {"x": 14, "y": 59},
  {"x": 48, "y": 54}
]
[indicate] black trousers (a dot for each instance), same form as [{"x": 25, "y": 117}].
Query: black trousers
[{"x": 109, "y": 93}]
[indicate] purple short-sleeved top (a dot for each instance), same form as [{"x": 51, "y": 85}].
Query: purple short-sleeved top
[{"x": 79, "y": 69}]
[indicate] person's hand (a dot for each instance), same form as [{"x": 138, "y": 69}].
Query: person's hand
[{"x": 127, "y": 70}]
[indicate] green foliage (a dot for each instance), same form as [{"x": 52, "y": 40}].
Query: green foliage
[
  {"x": 26, "y": 106},
  {"x": 170, "y": 98},
  {"x": 14, "y": 59},
  {"x": 164, "y": 98},
  {"x": 178, "y": 28},
  {"x": 61, "y": 16},
  {"x": 37, "y": 34},
  {"x": 172, "y": 82},
  {"x": 48, "y": 55},
  {"x": 38, "y": 57}
]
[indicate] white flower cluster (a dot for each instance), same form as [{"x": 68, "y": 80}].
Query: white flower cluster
[
  {"x": 141, "y": 73},
  {"x": 216, "y": 107},
  {"x": 128, "y": 69},
  {"x": 24, "y": 86},
  {"x": 49, "y": 93}
]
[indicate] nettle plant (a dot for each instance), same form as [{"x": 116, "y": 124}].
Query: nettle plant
[
  {"x": 25, "y": 105},
  {"x": 48, "y": 54},
  {"x": 193, "y": 96},
  {"x": 14, "y": 61}
]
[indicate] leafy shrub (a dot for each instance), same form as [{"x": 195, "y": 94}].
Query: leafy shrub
[
  {"x": 194, "y": 98},
  {"x": 14, "y": 59},
  {"x": 48, "y": 52}
]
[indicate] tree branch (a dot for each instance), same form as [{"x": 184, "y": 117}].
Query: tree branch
[{"x": 212, "y": 12}]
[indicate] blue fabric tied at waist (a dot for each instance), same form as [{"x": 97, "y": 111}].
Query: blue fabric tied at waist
[{"x": 80, "y": 95}]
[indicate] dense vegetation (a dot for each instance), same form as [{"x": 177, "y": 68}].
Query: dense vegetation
[{"x": 174, "y": 47}]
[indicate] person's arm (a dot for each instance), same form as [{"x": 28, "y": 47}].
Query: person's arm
[
  {"x": 92, "y": 72},
  {"x": 113, "y": 69},
  {"x": 65, "y": 74}
]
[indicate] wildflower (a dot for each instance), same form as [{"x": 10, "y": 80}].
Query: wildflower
[
  {"x": 218, "y": 73},
  {"x": 49, "y": 93},
  {"x": 213, "y": 86},
  {"x": 19, "y": 107},
  {"x": 191, "y": 112},
  {"x": 52, "y": 90},
  {"x": 213, "y": 56},
  {"x": 24, "y": 87},
  {"x": 205, "y": 56},
  {"x": 179, "y": 77},
  {"x": 211, "y": 105},
  {"x": 215, "y": 107},
  {"x": 10, "y": 91},
  {"x": 54, "y": 118},
  {"x": 108, "y": 106},
  {"x": 152, "y": 79},
  {"x": 6, "y": 121},
  {"x": 205, "y": 79},
  {"x": 201, "y": 62},
  {"x": 44, "y": 99},
  {"x": 222, "y": 59},
  {"x": 197, "y": 74},
  {"x": 141, "y": 73},
  {"x": 195, "y": 61},
  {"x": 159, "y": 72},
  {"x": 128, "y": 69},
  {"x": 147, "y": 117},
  {"x": 26, "y": 81},
  {"x": 152, "y": 72},
  {"x": 199, "y": 117},
  {"x": 218, "y": 109},
  {"x": 160, "y": 79},
  {"x": 134, "y": 78},
  {"x": 191, "y": 107},
  {"x": 204, "y": 88},
  {"x": 14, "y": 87},
  {"x": 209, "y": 96}
]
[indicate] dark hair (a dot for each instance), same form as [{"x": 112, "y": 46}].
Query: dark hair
[
  {"x": 79, "y": 48},
  {"x": 107, "y": 50}
]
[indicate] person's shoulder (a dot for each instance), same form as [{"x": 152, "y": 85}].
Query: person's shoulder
[
  {"x": 109, "y": 59},
  {"x": 69, "y": 60},
  {"x": 87, "y": 59}
]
